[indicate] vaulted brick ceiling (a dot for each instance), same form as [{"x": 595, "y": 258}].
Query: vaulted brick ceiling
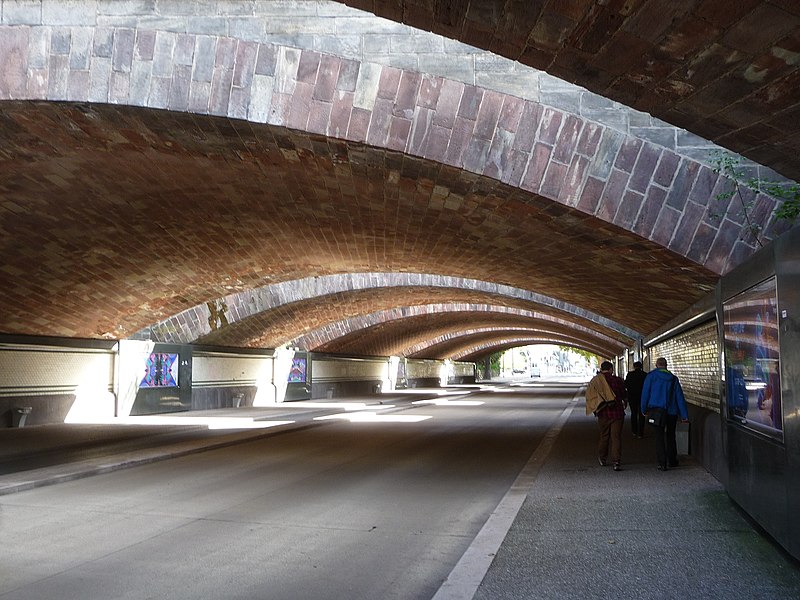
[
  {"x": 115, "y": 218},
  {"x": 726, "y": 70},
  {"x": 397, "y": 336},
  {"x": 288, "y": 322}
]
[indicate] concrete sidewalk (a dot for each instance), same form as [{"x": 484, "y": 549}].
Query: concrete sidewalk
[{"x": 586, "y": 531}]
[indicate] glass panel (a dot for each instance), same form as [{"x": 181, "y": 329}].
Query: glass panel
[{"x": 752, "y": 359}]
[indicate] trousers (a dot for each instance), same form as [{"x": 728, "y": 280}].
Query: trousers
[
  {"x": 666, "y": 443},
  {"x": 610, "y": 445}
]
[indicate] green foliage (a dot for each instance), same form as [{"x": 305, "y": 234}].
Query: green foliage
[
  {"x": 787, "y": 194},
  {"x": 494, "y": 362},
  {"x": 589, "y": 356}
]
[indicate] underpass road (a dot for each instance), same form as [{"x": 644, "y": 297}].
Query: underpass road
[{"x": 345, "y": 510}]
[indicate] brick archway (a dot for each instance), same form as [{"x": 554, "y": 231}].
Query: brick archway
[
  {"x": 411, "y": 329},
  {"x": 629, "y": 182},
  {"x": 481, "y": 161},
  {"x": 484, "y": 341},
  {"x": 276, "y": 314}
]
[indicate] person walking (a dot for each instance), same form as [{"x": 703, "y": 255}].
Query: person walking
[
  {"x": 634, "y": 382},
  {"x": 663, "y": 402},
  {"x": 610, "y": 416}
]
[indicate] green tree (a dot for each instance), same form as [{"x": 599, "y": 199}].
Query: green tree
[
  {"x": 494, "y": 362},
  {"x": 787, "y": 194},
  {"x": 589, "y": 356}
]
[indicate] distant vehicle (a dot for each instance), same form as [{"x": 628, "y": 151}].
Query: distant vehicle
[{"x": 535, "y": 371}]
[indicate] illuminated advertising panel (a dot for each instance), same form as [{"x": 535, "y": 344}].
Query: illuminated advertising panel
[
  {"x": 161, "y": 370},
  {"x": 297, "y": 374},
  {"x": 752, "y": 359}
]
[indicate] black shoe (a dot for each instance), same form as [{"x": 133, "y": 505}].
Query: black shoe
[
  {"x": 602, "y": 461},
  {"x": 673, "y": 465},
  {"x": 662, "y": 468},
  {"x": 617, "y": 467}
]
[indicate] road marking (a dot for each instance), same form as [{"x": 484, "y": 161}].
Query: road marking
[{"x": 466, "y": 576}]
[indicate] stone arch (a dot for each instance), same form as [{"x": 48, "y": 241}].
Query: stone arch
[
  {"x": 400, "y": 330},
  {"x": 286, "y": 309},
  {"x": 466, "y": 343},
  {"x": 475, "y": 353},
  {"x": 629, "y": 182},
  {"x": 540, "y": 153}
]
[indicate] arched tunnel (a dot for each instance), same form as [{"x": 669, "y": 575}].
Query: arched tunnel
[
  {"x": 219, "y": 206},
  {"x": 150, "y": 173}
]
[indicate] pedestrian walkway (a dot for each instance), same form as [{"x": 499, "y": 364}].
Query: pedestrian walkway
[
  {"x": 579, "y": 530},
  {"x": 586, "y": 531}
]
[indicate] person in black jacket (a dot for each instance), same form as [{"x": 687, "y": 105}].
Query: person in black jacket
[{"x": 634, "y": 382}]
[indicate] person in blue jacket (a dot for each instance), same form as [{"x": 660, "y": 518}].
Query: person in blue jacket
[{"x": 662, "y": 390}]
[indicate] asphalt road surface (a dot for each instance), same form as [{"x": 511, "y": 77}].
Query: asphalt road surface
[{"x": 334, "y": 508}]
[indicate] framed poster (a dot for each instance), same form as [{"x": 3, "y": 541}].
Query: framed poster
[
  {"x": 752, "y": 359},
  {"x": 297, "y": 373},
  {"x": 161, "y": 370}
]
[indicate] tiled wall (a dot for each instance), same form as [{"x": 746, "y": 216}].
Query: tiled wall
[{"x": 694, "y": 357}]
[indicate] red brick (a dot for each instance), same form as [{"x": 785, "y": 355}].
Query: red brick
[
  {"x": 449, "y": 101},
  {"x": 430, "y": 89},
  {"x": 666, "y": 168},
  {"x": 628, "y": 209},
  {"x": 470, "y": 102},
  {"x": 553, "y": 180},
  {"x": 540, "y": 159},
  {"x": 551, "y": 123},
  {"x": 359, "y": 124},
  {"x": 389, "y": 82},
  {"x": 462, "y": 132},
  {"x": 528, "y": 126},
  {"x": 399, "y": 131},
  {"x": 590, "y": 138},
  {"x": 438, "y": 140},
  {"x": 379, "y": 122},
  {"x": 567, "y": 139},
  {"x": 407, "y": 94},
  {"x": 319, "y": 117},
  {"x": 301, "y": 105},
  {"x": 651, "y": 207},
  {"x": 488, "y": 115},
  {"x": 645, "y": 166},
  {"x": 574, "y": 180},
  {"x": 684, "y": 234},
  {"x": 340, "y": 114},
  {"x": 665, "y": 226},
  {"x": 590, "y": 196},
  {"x": 628, "y": 154},
  {"x": 308, "y": 67},
  {"x": 612, "y": 195},
  {"x": 327, "y": 78}
]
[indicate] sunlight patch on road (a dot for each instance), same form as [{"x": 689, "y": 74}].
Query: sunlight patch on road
[
  {"x": 446, "y": 402},
  {"x": 373, "y": 417},
  {"x": 210, "y": 422},
  {"x": 428, "y": 392},
  {"x": 346, "y": 406}
]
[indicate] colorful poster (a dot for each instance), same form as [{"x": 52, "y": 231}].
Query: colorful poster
[
  {"x": 297, "y": 374},
  {"x": 161, "y": 370}
]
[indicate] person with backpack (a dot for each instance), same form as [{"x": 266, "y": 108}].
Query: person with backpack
[
  {"x": 662, "y": 403},
  {"x": 634, "y": 381}
]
